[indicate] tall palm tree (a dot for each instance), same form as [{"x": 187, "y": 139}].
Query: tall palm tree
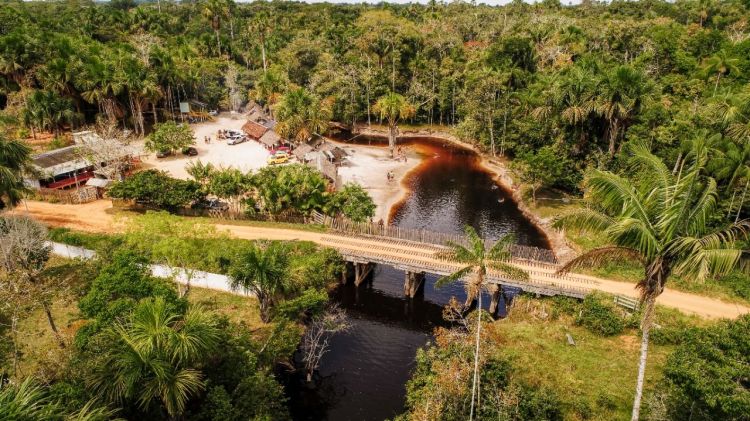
[
  {"x": 621, "y": 93},
  {"x": 733, "y": 165},
  {"x": 301, "y": 115},
  {"x": 661, "y": 220},
  {"x": 476, "y": 260},
  {"x": 269, "y": 86},
  {"x": 15, "y": 160},
  {"x": 393, "y": 107},
  {"x": 154, "y": 355},
  {"x": 720, "y": 64},
  {"x": 262, "y": 269}
]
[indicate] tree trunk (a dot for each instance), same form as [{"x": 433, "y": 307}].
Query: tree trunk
[
  {"x": 52, "y": 325},
  {"x": 475, "y": 382},
  {"x": 646, "y": 329},
  {"x": 263, "y": 53},
  {"x": 492, "y": 134},
  {"x": 742, "y": 201},
  {"x": 392, "y": 130},
  {"x": 716, "y": 86},
  {"x": 153, "y": 111}
]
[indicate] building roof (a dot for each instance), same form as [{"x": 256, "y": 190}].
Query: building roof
[
  {"x": 302, "y": 150},
  {"x": 98, "y": 182},
  {"x": 333, "y": 151},
  {"x": 60, "y": 161},
  {"x": 270, "y": 138},
  {"x": 254, "y": 130}
]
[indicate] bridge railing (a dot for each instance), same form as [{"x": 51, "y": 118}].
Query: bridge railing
[{"x": 532, "y": 254}]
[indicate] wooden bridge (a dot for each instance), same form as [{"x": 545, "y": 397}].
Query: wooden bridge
[{"x": 416, "y": 252}]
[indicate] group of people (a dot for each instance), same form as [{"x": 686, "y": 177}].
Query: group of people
[
  {"x": 400, "y": 154},
  {"x": 207, "y": 139},
  {"x": 390, "y": 176}
]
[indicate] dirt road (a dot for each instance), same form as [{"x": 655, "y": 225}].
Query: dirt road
[{"x": 93, "y": 217}]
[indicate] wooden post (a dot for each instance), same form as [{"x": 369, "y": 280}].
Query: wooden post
[
  {"x": 345, "y": 273},
  {"x": 413, "y": 281},
  {"x": 361, "y": 270},
  {"x": 497, "y": 291}
]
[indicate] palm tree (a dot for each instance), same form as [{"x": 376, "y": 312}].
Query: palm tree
[
  {"x": 30, "y": 401},
  {"x": 262, "y": 270},
  {"x": 721, "y": 63},
  {"x": 301, "y": 115},
  {"x": 393, "y": 107},
  {"x": 269, "y": 86},
  {"x": 733, "y": 165},
  {"x": 48, "y": 110},
  {"x": 153, "y": 356},
  {"x": 476, "y": 260},
  {"x": 15, "y": 160},
  {"x": 215, "y": 11},
  {"x": 660, "y": 220},
  {"x": 622, "y": 92}
]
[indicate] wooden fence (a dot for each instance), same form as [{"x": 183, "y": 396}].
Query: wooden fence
[
  {"x": 83, "y": 194},
  {"x": 424, "y": 236}
]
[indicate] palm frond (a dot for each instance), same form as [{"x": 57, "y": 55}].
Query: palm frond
[
  {"x": 456, "y": 253},
  {"x": 585, "y": 219},
  {"x": 453, "y": 277},
  {"x": 501, "y": 249},
  {"x": 509, "y": 271},
  {"x": 601, "y": 255}
]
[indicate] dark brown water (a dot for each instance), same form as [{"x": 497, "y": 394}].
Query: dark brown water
[{"x": 364, "y": 375}]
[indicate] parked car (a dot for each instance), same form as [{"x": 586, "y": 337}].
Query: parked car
[
  {"x": 278, "y": 158},
  {"x": 190, "y": 151},
  {"x": 163, "y": 154},
  {"x": 213, "y": 113},
  {"x": 284, "y": 149},
  {"x": 211, "y": 204},
  {"x": 232, "y": 140}
]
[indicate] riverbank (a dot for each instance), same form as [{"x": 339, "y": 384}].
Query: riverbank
[
  {"x": 501, "y": 173},
  {"x": 368, "y": 166}
]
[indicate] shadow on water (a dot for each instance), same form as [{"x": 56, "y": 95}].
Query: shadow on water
[{"x": 364, "y": 375}]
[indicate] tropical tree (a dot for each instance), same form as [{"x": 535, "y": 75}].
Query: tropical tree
[
  {"x": 269, "y": 86},
  {"x": 351, "y": 201},
  {"x": 262, "y": 270},
  {"x": 301, "y": 115},
  {"x": 46, "y": 110},
  {"x": 476, "y": 260},
  {"x": 23, "y": 256},
  {"x": 660, "y": 220},
  {"x": 155, "y": 356},
  {"x": 621, "y": 93},
  {"x": 170, "y": 136},
  {"x": 720, "y": 64},
  {"x": 30, "y": 401},
  {"x": 393, "y": 107},
  {"x": 15, "y": 160}
]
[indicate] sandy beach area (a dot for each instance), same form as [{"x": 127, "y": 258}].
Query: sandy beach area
[
  {"x": 246, "y": 156},
  {"x": 368, "y": 166}
]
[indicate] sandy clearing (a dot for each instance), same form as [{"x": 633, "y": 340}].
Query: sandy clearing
[
  {"x": 368, "y": 166},
  {"x": 248, "y": 156},
  {"x": 93, "y": 217}
]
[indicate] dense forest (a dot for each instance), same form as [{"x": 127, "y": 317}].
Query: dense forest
[{"x": 558, "y": 85}]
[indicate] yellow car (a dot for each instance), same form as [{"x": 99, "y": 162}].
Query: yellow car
[{"x": 278, "y": 158}]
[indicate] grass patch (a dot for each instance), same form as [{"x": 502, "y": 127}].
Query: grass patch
[
  {"x": 237, "y": 308},
  {"x": 594, "y": 378},
  {"x": 124, "y": 212}
]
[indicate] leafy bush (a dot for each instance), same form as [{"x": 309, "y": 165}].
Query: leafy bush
[
  {"x": 120, "y": 285},
  {"x": 170, "y": 136},
  {"x": 599, "y": 315},
  {"x": 157, "y": 189},
  {"x": 707, "y": 375},
  {"x": 353, "y": 202}
]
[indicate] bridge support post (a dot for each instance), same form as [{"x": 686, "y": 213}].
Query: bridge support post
[
  {"x": 413, "y": 281},
  {"x": 346, "y": 273},
  {"x": 496, "y": 292},
  {"x": 361, "y": 270}
]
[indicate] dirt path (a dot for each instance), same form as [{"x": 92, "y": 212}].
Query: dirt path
[{"x": 93, "y": 217}]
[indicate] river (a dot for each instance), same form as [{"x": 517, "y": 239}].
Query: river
[{"x": 364, "y": 375}]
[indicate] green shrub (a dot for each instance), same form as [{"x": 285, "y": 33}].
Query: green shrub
[{"x": 599, "y": 315}]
